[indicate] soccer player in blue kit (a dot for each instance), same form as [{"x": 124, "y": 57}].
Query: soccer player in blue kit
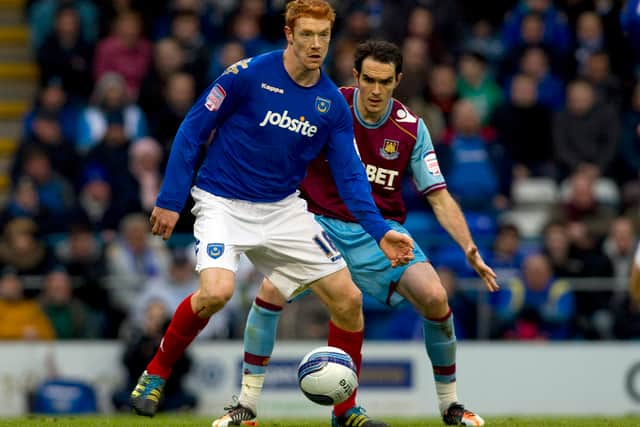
[
  {"x": 391, "y": 142},
  {"x": 272, "y": 115}
]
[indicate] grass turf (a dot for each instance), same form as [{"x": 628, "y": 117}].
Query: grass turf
[{"x": 193, "y": 421}]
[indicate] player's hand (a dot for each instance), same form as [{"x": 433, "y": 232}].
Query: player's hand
[
  {"x": 398, "y": 247},
  {"x": 163, "y": 222},
  {"x": 484, "y": 271}
]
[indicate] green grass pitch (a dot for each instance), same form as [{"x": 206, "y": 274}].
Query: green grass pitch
[{"x": 196, "y": 421}]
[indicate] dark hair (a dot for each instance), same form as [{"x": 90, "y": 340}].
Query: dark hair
[{"x": 380, "y": 51}]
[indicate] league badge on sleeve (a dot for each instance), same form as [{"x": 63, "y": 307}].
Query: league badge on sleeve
[
  {"x": 215, "y": 98},
  {"x": 432, "y": 164},
  {"x": 215, "y": 250},
  {"x": 322, "y": 104}
]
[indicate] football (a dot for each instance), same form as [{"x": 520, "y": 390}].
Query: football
[{"x": 327, "y": 376}]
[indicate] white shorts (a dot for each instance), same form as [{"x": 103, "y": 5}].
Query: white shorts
[{"x": 282, "y": 239}]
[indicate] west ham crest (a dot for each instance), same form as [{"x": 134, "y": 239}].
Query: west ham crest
[{"x": 389, "y": 149}]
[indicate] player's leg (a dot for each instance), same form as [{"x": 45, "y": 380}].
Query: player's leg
[
  {"x": 259, "y": 341},
  {"x": 191, "y": 316},
  {"x": 217, "y": 256},
  {"x": 421, "y": 286},
  {"x": 346, "y": 331}
]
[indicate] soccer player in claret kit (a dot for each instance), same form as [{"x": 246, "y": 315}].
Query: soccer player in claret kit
[
  {"x": 272, "y": 115},
  {"x": 391, "y": 141}
]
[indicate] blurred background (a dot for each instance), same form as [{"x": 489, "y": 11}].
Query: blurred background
[{"x": 533, "y": 107}]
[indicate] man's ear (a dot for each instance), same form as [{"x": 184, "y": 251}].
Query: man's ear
[
  {"x": 288, "y": 33},
  {"x": 356, "y": 75},
  {"x": 398, "y": 79}
]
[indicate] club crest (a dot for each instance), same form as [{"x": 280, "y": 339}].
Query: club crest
[
  {"x": 322, "y": 104},
  {"x": 389, "y": 149},
  {"x": 215, "y": 250}
]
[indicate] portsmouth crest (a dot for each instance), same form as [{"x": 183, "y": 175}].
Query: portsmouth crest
[
  {"x": 215, "y": 250},
  {"x": 389, "y": 149},
  {"x": 322, "y": 104}
]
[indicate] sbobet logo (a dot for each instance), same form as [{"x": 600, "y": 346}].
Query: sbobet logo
[{"x": 282, "y": 120}]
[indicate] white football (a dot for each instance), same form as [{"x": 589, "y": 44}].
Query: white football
[{"x": 327, "y": 375}]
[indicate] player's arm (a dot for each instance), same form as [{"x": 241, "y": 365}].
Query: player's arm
[
  {"x": 429, "y": 180},
  {"x": 355, "y": 190},
  {"x": 215, "y": 103},
  {"x": 634, "y": 281}
]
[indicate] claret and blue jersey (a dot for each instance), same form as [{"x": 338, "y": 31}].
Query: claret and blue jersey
[{"x": 267, "y": 129}]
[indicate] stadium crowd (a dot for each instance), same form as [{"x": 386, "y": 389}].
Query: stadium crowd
[{"x": 533, "y": 107}]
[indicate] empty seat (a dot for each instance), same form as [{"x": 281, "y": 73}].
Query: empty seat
[
  {"x": 534, "y": 192},
  {"x": 529, "y": 222}
]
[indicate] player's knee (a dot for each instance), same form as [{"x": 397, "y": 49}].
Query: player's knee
[
  {"x": 349, "y": 305},
  {"x": 434, "y": 300},
  {"x": 213, "y": 298}
]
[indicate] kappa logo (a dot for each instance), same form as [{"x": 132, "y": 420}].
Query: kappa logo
[
  {"x": 389, "y": 149},
  {"x": 270, "y": 88},
  {"x": 404, "y": 116},
  {"x": 215, "y": 98},
  {"x": 215, "y": 250},
  {"x": 322, "y": 104}
]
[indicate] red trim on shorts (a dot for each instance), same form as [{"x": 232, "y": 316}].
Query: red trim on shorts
[
  {"x": 392, "y": 288},
  {"x": 441, "y": 319},
  {"x": 254, "y": 359},
  {"x": 267, "y": 305}
]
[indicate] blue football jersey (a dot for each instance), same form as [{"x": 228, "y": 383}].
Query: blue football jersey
[{"x": 266, "y": 129}]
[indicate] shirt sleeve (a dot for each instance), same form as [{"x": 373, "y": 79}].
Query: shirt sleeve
[
  {"x": 424, "y": 163},
  {"x": 208, "y": 112},
  {"x": 350, "y": 178}
]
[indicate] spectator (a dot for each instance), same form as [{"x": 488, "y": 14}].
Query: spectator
[
  {"x": 53, "y": 100},
  {"x": 133, "y": 258},
  {"x": 139, "y": 347},
  {"x": 582, "y": 207},
  {"x": 178, "y": 96},
  {"x": 97, "y": 205},
  {"x": 471, "y": 175},
  {"x": 70, "y": 317},
  {"x": 535, "y": 63},
  {"x": 185, "y": 29},
  {"x": 476, "y": 85},
  {"x": 112, "y": 155},
  {"x": 145, "y": 161},
  {"x": 21, "y": 249},
  {"x": 416, "y": 62},
  {"x": 585, "y": 132},
  {"x": 109, "y": 96},
  {"x": 619, "y": 247},
  {"x": 523, "y": 127},
  {"x": 54, "y": 191},
  {"x": 125, "y": 52},
  {"x": 507, "y": 255},
  {"x": 437, "y": 103},
  {"x": 47, "y": 137},
  {"x": 42, "y": 15},
  {"x": 168, "y": 58},
  {"x": 607, "y": 86},
  {"x": 537, "y": 306},
  {"x": 20, "y": 318},
  {"x": 24, "y": 202},
  {"x": 65, "y": 55}
]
